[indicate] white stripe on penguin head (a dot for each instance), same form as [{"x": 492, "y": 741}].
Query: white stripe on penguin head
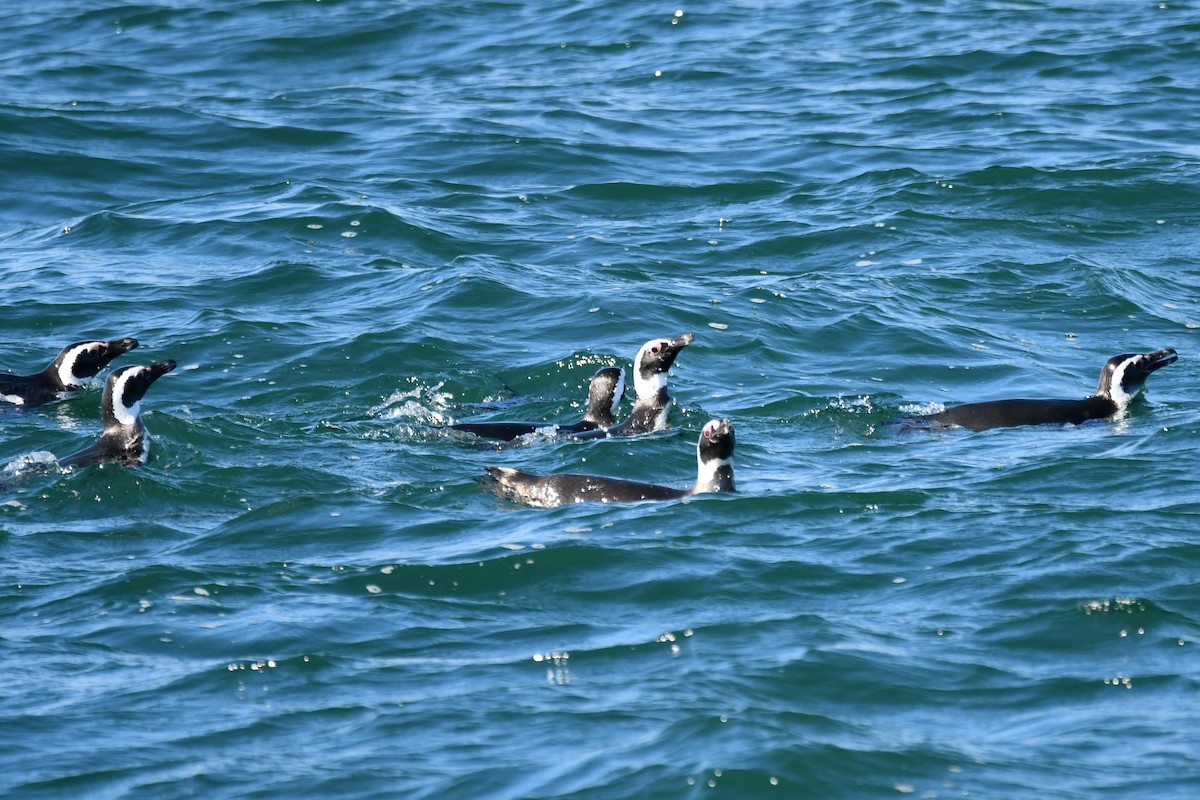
[
  {"x": 618, "y": 393},
  {"x": 1117, "y": 391},
  {"x": 125, "y": 413},
  {"x": 66, "y": 370}
]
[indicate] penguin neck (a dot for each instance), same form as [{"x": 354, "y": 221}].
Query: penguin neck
[
  {"x": 118, "y": 417},
  {"x": 648, "y": 388},
  {"x": 59, "y": 378},
  {"x": 600, "y": 414},
  {"x": 1117, "y": 397},
  {"x": 714, "y": 475},
  {"x": 1102, "y": 406},
  {"x": 126, "y": 443},
  {"x": 129, "y": 435},
  {"x": 650, "y": 411},
  {"x": 599, "y": 417}
]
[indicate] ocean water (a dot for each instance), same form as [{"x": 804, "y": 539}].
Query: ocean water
[{"x": 352, "y": 221}]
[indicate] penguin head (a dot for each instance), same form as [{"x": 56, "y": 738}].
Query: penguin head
[
  {"x": 607, "y": 389},
  {"x": 1124, "y": 376},
  {"x": 124, "y": 390},
  {"x": 653, "y": 361},
  {"x": 717, "y": 440},
  {"x": 82, "y": 360}
]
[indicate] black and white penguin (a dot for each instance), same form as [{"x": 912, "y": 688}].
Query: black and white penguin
[
  {"x": 607, "y": 389},
  {"x": 124, "y": 439},
  {"x": 1121, "y": 379},
  {"x": 651, "y": 403},
  {"x": 714, "y": 454},
  {"x": 75, "y": 364}
]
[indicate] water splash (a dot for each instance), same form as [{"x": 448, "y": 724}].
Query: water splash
[{"x": 40, "y": 462}]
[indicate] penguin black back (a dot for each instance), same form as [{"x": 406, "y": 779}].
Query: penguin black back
[{"x": 605, "y": 391}]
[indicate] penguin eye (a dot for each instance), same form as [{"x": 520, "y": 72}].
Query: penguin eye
[{"x": 656, "y": 348}]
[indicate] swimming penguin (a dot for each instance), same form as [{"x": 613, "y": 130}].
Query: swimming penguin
[
  {"x": 1121, "y": 379},
  {"x": 75, "y": 364},
  {"x": 124, "y": 439},
  {"x": 607, "y": 389},
  {"x": 651, "y": 402},
  {"x": 714, "y": 454}
]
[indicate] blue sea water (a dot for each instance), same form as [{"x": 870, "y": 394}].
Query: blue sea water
[{"x": 351, "y": 221}]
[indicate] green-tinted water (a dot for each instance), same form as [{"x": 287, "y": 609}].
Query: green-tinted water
[{"x": 352, "y": 222}]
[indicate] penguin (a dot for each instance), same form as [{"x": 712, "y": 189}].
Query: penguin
[
  {"x": 714, "y": 456},
  {"x": 1121, "y": 379},
  {"x": 651, "y": 403},
  {"x": 607, "y": 389},
  {"x": 124, "y": 439},
  {"x": 75, "y": 364}
]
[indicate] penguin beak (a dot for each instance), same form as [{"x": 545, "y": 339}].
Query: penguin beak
[
  {"x": 118, "y": 347},
  {"x": 670, "y": 348},
  {"x": 1157, "y": 360},
  {"x": 680, "y": 342},
  {"x": 719, "y": 432},
  {"x": 160, "y": 368}
]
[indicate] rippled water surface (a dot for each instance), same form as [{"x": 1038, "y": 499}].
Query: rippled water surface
[{"x": 351, "y": 222}]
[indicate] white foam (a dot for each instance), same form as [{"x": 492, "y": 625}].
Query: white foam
[
  {"x": 40, "y": 461},
  {"x": 421, "y": 403}
]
